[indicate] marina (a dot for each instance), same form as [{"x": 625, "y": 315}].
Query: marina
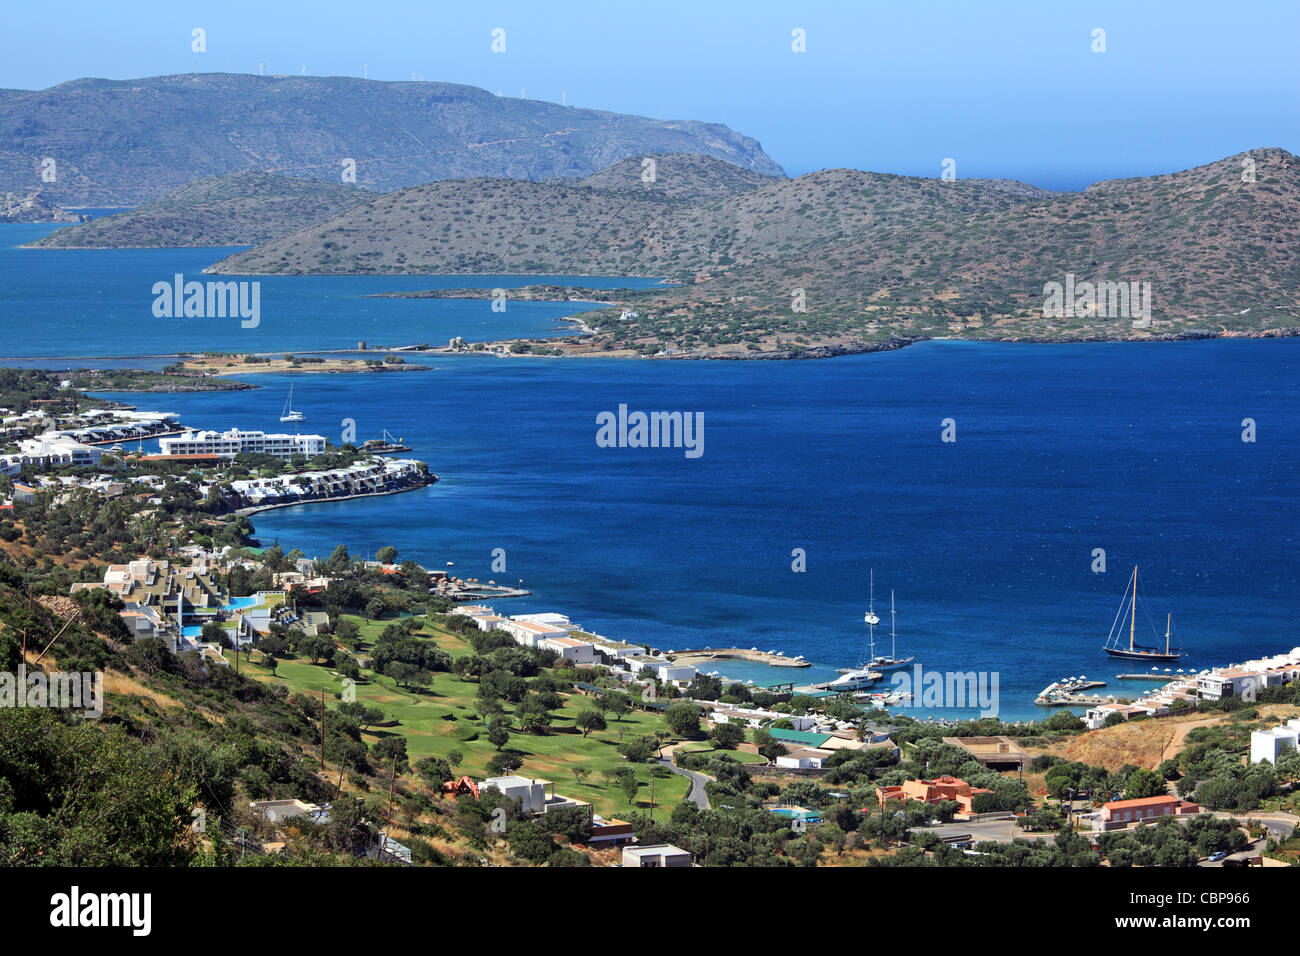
[{"x": 1069, "y": 692}]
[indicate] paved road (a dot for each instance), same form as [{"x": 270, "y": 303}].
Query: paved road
[
  {"x": 698, "y": 780},
  {"x": 1000, "y": 831},
  {"x": 1280, "y": 825}
]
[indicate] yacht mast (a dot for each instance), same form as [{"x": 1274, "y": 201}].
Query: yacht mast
[
  {"x": 1132, "y": 624},
  {"x": 892, "y": 655}
]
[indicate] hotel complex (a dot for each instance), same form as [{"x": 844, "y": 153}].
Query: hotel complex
[{"x": 230, "y": 443}]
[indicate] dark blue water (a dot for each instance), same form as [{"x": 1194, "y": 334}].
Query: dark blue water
[
  {"x": 987, "y": 541},
  {"x": 1134, "y": 448},
  {"x": 96, "y": 303}
]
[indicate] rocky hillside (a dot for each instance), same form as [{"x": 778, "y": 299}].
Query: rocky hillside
[
  {"x": 118, "y": 143},
  {"x": 241, "y": 209},
  {"x": 612, "y": 224},
  {"x": 33, "y": 207},
  {"x": 879, "y": 259}
]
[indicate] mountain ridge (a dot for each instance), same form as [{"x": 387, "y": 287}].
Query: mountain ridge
[{"x": 120, "y": 142}]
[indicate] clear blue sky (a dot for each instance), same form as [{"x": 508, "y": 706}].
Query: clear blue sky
[{"x": 1007, "y": 89}]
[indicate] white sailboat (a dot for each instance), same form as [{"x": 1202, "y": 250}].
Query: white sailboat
[
  {"x": 288, "y": 414},
  {"x": 871, "y": 617},
  {"x": 893, "y": 662}
]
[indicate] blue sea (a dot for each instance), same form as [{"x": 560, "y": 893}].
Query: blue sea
[{"x": 987, "y": 543}]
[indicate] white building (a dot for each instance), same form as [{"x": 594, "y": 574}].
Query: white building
[
  {"x": 530, "y": 792},
  {"x": 580, "y": 652},
  {"x": 1230, "y": 682},
  {"x": 804, "y": 758},
  {"x": 668, "y": 671},
  {"x": 1273, "y": 743},
  {"x": 233, "y": 442},
  {"x": 47, "y": 451},
  {"x": 560, "y": 621},
  {"x": 656, "y": 855},
  {"x": 529, "y": 633}
]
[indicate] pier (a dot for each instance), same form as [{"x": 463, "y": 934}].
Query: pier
[
  {"x": 771, "y": 658},
  {"x": 1066, "y": 693}
]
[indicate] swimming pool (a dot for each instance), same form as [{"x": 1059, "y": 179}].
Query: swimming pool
[{"x": 798, "y": 813}]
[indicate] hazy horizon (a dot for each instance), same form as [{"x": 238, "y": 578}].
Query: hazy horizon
[{"x": 1012, "y": 91}]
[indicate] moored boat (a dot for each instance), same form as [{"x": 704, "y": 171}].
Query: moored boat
[{"x": 1134, "y": 651}]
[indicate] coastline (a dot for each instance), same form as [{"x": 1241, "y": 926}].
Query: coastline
[{"x": 256, "y": 509}]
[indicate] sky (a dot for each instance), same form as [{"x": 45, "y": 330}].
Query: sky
[{"x": 1003, "y": 88}]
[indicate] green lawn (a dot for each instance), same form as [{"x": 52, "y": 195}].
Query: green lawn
[
  {"x": 429, "y": 720},
  {"x": 700, "y": 746}
]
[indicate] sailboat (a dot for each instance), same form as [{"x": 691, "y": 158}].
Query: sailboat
[
  {"x": 871, "y": 617},
  {"x": 865, "y": 674},
  {"x": 288, "y": 414},
  {"x": 893, "y": 662},
  {"x": 1135, "y": 651}
]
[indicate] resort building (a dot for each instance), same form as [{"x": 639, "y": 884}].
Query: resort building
[
  {"x": 559, "y": 621},
  {"x": 1121, "y": 813},
  {"x": 804, "y": 758},
  {"x": 1229, "y": 682},
  {"x": 1273, "y": 743},
  {"x": 531, "y": 634},
  {"x": 234, "y": 442},
  {"x": 934, "y": 791},
  {"x": 52, "y": 451},
  {"x": 580, "y": 652}
]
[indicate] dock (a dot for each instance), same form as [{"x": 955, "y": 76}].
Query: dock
[
  {"x": 1066, "y": 693},
  {"x": 1152, "y": 676},
  {"x": 1078, "y": 700},
  {"x": 773, "y": 659}
]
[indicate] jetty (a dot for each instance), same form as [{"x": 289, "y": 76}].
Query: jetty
[
  {"x": 1160, "y": 676},
  {"x": 1068, "y": 693},
  {"x": 772, "y": 658}
]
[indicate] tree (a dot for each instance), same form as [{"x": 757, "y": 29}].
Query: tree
[
  {"x": 618, "y": 704},
  {"x": 386, "y": 748},
  {"x": 339, "y": 561},
  {"x": 589, "y": 720},
  {"x": 498, "y": 733},
  {"x": 505, "y": 762},
  {"x": 625, "y": 779},
  {"x": 639, "y": 749},
  {"x": 727, "y": 736},
  {"x": 684, "y": 720},
  {"x": 1144, "y": 783},
  {"x": 435, "y": 770},
  {"x": 386, "y": 555},
  {"x": 214, "y": 633},
  {"x": 769, "y": 746},
  {"x": 270, "y": 661}
]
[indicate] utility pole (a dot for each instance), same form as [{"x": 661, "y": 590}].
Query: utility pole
[
  {"x": 322, "y": 728},
  {"x": 389, "y": 821}
]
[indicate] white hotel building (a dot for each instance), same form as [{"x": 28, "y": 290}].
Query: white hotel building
[{"x": 230, "y": 443}]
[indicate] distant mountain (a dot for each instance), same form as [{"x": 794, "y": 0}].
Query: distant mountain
[
  {"x": 117, "y": 143},
  {"x": 842, "y": 260},
  {"x": 241, "y": 209},
  {"x": 33, "y": 206}
]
